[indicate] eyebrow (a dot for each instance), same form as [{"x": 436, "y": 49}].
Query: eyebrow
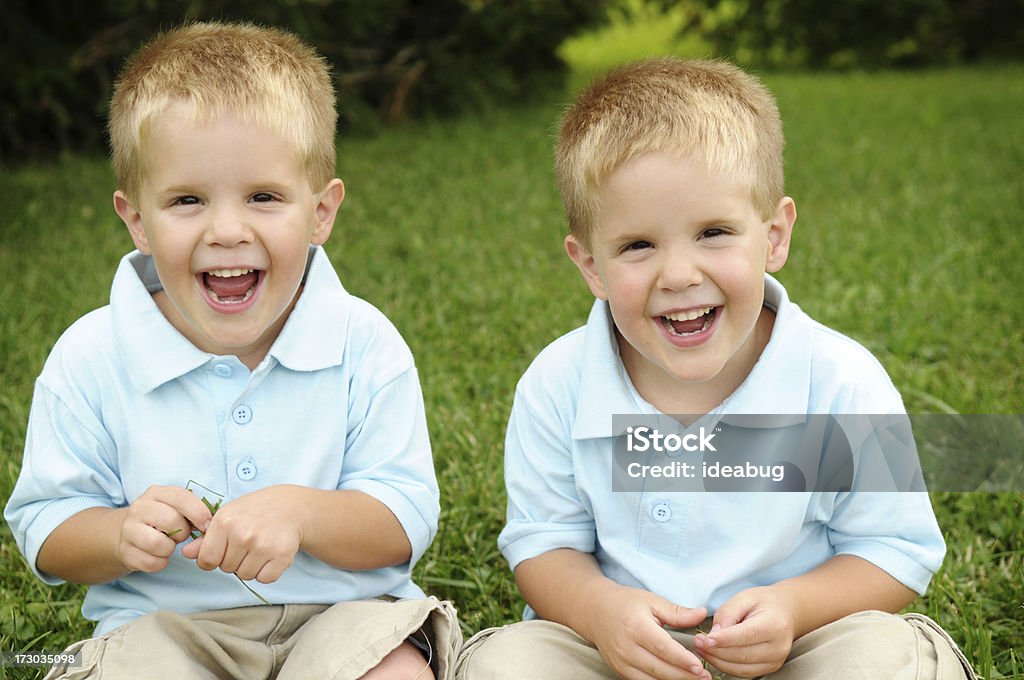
[
  {"x": 255, "y": 186},
  {"x": 644, "y": 235},
  {"x": 721, "y": 220},
  {"x": 629, "y": 238},
  {"x": 271, "y": 184}
]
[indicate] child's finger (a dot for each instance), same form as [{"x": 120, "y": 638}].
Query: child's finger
[
  {"x": 750, "y": 662},
  {"x": 176, "y": 527},
  {"x": 671, "y": 653},
  {"x": 677, "y": 616},
  {"x": 183, "y": 503},
  {"x": 234, "y": 558},
  {"x": 751, "y": 654},
  {"x": 744, "y": 634},
  {"x": 143, "y": 548},
  {"x": 272, "y": 571},
  {"x": 211, "y": 551},
  {"x": 732, "y": 612},
  {"x": 191, "y": 551},
  {"x": 145, "y": 537},
  {"x": 139, "y": 560},
  {"x": 650, "y": 665},
  {"x": 250, "y": 567}
]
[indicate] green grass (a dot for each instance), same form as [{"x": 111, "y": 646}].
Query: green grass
[{"x": 909, "y": 188}]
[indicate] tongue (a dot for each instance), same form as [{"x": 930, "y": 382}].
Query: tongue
[
  {"x": 690, "y": 326},
  {"x": 231, "y": 286}
]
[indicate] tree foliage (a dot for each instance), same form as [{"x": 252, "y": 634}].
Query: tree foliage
[
  {"x": 391, "y": 58},
  {"x": 859, "y": 33}
]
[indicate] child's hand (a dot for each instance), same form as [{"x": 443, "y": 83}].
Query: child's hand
[
  {"x": 255, "y": 537},
  {"x": 629, "y": 635},
  {"x": 752, "y": 634},
  {"x": 155, "y": 522}
]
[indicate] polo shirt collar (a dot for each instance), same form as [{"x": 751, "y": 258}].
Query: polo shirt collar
[
  {"x": 314, "y": 336},
  {"x": 779, "y": 383},
  {"x": 155, "y": 352},
  {"x": 605, "y": 388}
]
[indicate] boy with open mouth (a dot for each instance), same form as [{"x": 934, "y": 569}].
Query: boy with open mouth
[
  {"x": 231, "y": 356},
  {"x": 671, "y": 175}
]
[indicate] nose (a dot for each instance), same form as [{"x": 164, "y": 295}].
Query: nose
[
  {"x": 227, "y": 227},
  {"x": 679, "y": 270}
]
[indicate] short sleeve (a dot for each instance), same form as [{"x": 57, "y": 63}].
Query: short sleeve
[
  {"x": 69, "y": 465},
  {"x": 387, "y": 448},
  {"x": 887, "y": 519},
  {"x": 545, "y": 511},
  {"x": 895, "y": 531}
]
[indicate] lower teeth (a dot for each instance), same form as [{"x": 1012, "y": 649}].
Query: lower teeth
[
  {"x": 708, "y": 318},
  {"x": 216, "y": 298}
]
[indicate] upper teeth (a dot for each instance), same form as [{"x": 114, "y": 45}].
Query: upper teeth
[
  {"x": 226, "y": 273},
  {"x": 688, "y": 316}
]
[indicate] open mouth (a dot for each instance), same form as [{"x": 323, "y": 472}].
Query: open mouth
[
  {"x": 689, "y": 323},
  {"x": 230, "y": 286}
]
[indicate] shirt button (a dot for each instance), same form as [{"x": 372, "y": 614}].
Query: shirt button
[
  {"x": 242, "y": 414},
  {"x": 246, "y": 470},
  {"x": 661, "y": 512},
  {"x": 222, "y": 371}
]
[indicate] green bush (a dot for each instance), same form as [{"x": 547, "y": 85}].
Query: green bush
[
  {"x": 859, "y": 33},
  {"x": 391, "y": 58}
]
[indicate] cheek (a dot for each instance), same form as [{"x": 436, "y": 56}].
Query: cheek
[
  {"x": 740, "y": 274},
  {"x": 626, "y": 304},
  {"x": 630, "y": 288}
]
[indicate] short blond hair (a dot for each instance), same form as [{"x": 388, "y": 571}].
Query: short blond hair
[
  {"x": 264, "y": 76},
  {"x": 711, "y": 110}
]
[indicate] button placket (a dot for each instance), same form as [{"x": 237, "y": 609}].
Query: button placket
[{"x": 661, "y": 525}]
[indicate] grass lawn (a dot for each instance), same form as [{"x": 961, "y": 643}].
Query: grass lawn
[{"x": 909, "y": 189}]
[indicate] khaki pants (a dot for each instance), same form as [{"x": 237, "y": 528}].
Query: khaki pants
[
  {"x": 288, "y": 642},
  {"x": 864, "y": 646}
]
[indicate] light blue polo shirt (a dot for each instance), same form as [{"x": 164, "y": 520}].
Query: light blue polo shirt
[
  {"x": 125, "y": 401},
  {"x": 700, "y": 549}
]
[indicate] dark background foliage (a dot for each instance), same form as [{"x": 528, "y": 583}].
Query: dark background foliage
[
  {"x": 860, "y": 33},
  {"x": 395, "y": 59},
  {"x": 391, "y": 58}
]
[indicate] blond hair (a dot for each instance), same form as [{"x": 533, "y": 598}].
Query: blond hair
[
  {"x": 263, "y": 76},
  {"x": 710, "y": 110}
]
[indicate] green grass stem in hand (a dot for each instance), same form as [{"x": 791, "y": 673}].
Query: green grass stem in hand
[{"x": 213, "y": 508}]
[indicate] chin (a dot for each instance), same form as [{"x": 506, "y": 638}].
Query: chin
[{"x": 693, "y": 377}]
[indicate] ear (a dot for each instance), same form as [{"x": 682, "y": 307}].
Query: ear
[
  {"x": 327, "y": 206},
  {"x": 587, "y": 265},
  {"x": 132, "y": 219},
  {"x": 779, "y": 233}
]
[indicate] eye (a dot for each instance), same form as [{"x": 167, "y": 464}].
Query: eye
[
  {"x": 263, "y": 197},
  {"x": 713, "y": 232},
  {"x": 637, "y": 245},
  {"x": 185, "y": 200}
]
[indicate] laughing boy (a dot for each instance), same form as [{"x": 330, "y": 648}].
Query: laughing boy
[
  {"x": 231, "y": 355},
  {"x": 671, "y": 174}
]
